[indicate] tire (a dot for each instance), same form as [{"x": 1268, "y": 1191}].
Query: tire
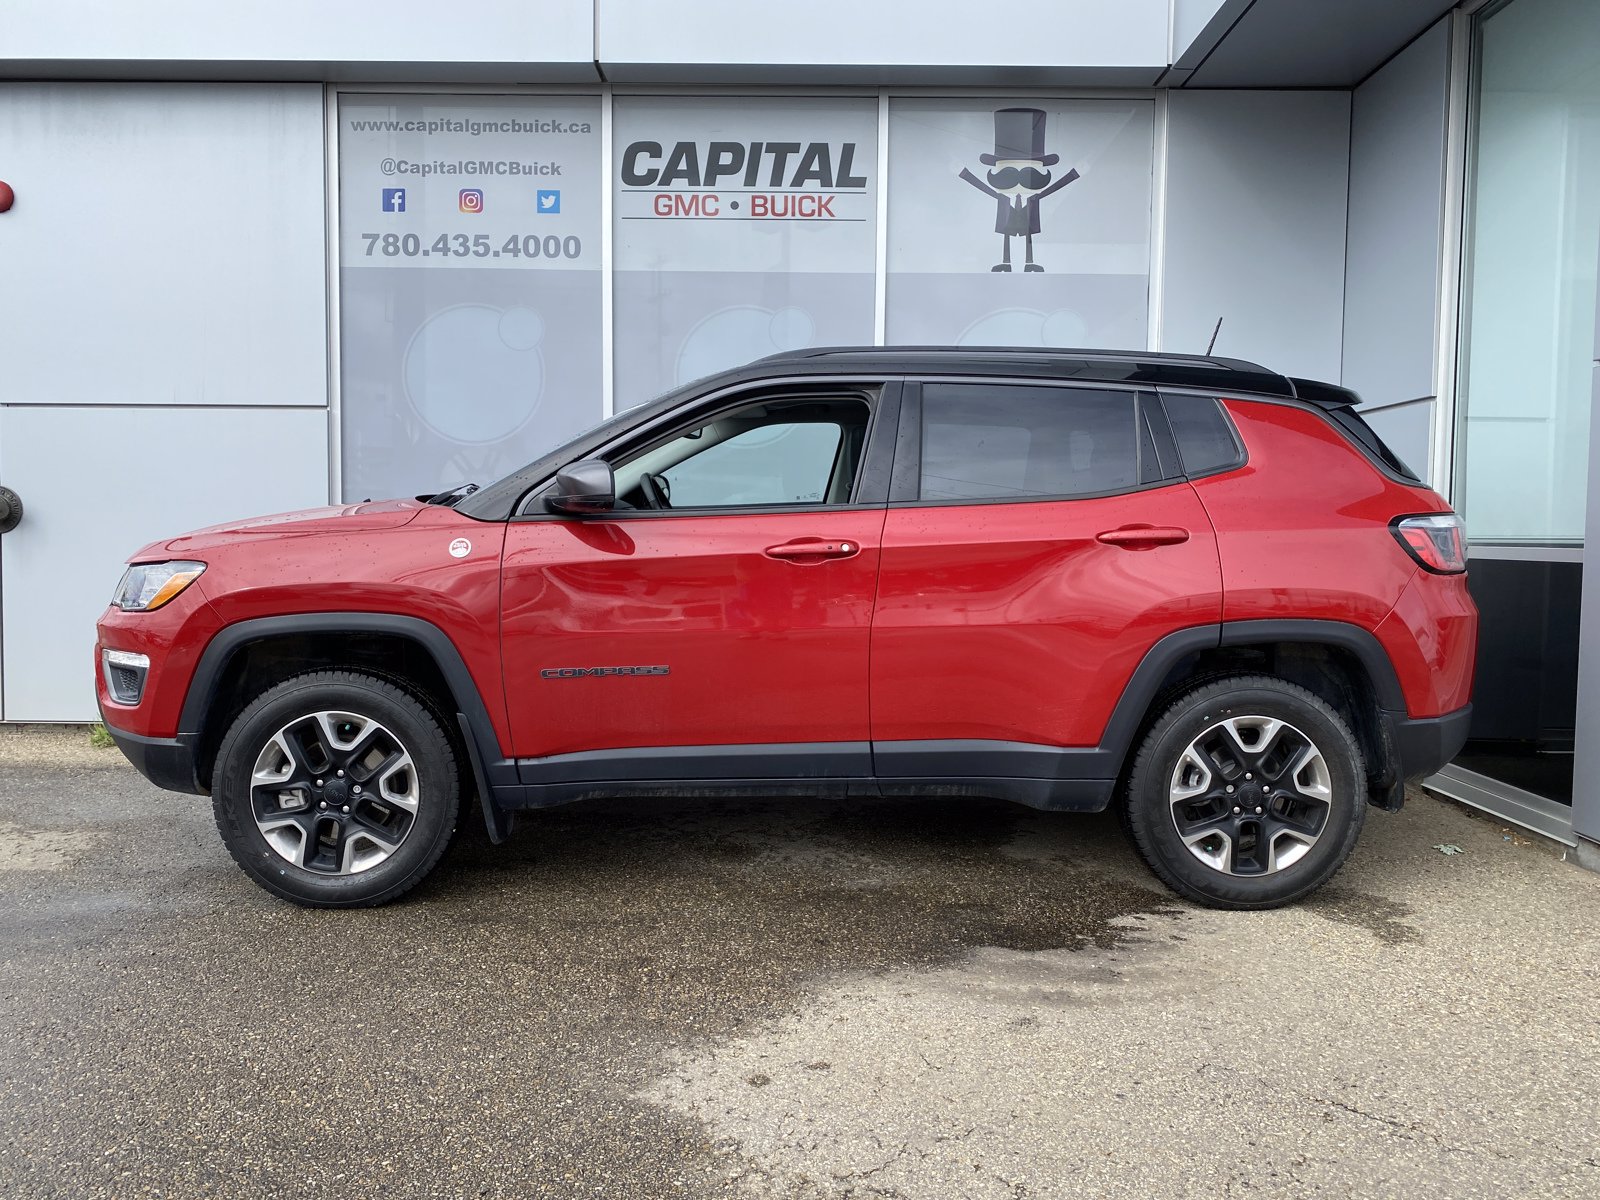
[
  {"x": 1207, "y": 753},
  {"x": 336, "y": 789}
]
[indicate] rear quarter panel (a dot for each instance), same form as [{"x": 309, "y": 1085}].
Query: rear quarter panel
[
  {"x": 1303, "y": 526},
  {"x": 1303, "y": 533}
]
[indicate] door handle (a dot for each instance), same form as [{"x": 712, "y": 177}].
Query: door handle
[
  {"x": 813, "y": 548},
  {"x": 10, "y": 510},
  {"x": 1143, "y": 537}
]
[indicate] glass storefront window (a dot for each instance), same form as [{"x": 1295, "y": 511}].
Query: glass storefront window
[
  {"x": 470, "y": 291},
  {"x": 472, "y": 295},
  {"x": 744, "y": 226},
  {"x": 1532, "y": 248},
  {"x": 1019, "y": 223},
  {"x": 1528, "y": 344}
]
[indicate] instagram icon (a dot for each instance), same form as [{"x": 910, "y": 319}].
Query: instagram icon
[{"x": 471, "y": 200}]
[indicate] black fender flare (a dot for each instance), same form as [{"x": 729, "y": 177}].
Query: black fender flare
[
  {"x": 1143, "y": 687},
  {"x": 490, "y": 768}
]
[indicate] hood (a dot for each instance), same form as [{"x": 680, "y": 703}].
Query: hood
[{"x": 345, "y": 518}]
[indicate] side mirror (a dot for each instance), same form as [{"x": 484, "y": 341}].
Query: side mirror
[{"x": 586, "y": 486}]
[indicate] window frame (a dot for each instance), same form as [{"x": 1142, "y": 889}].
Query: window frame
[
  {"x": 882, "y": 396},
  {"x": 1241, "y": 453},
  {"x": 1156, "y": 465},
  {"x": 628, "y": 475}
]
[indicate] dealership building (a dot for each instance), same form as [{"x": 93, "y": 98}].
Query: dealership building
[{"x": 270, "y": 256}]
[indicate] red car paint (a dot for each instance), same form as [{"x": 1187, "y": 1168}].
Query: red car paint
[
  {"x": 1013, "y": 621},
  {"x": 1301, "y": 533},
  {"x": 1037, "y": 623},
  {"x": 702, "y": 594}
]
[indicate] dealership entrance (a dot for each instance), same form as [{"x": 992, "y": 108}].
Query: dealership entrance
[{"x": 1528, "y": 345}]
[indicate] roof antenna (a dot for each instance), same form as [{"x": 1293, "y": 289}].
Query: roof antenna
[{"x": 1213, "y": 341}]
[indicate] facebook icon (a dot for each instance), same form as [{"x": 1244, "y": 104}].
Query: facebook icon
[{"x": 394, "y": 199}]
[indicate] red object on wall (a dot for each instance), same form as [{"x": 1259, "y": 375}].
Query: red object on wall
[{"x": 6, "y": 196}]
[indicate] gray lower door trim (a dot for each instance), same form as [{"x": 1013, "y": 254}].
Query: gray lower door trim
[
  {"x": 655, "y": 764},
  {"x": 1545, "y": 817}
]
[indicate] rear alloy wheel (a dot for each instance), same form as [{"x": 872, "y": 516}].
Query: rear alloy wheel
[
  {"x": 336, "y": 789},
  {"x": 1247, "y": 793}
]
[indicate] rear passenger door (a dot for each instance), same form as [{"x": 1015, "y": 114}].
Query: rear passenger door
[{"x": 1037, "y": 546}]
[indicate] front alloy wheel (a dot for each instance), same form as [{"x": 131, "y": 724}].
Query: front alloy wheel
[
  {"x": 1248, "y": 792},
  {"x": 336, "y": 789},
  {"x": 334, "y": 792}
]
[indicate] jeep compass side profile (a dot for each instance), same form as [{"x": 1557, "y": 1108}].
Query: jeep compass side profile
[{"x": 1187, "y": 586}]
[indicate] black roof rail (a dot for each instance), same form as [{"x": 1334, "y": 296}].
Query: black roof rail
[
  {"x": 1156, "y": 368},
  {"x": 1035, "y": 352}
]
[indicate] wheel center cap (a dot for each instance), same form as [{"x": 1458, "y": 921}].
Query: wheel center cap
[{"x": 337, "y": 792}]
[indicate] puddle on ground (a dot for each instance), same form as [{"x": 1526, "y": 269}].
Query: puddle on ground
[{"x": 1385, "y": 919}]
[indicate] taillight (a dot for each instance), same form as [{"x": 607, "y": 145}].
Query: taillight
[{"x": 1437, "y": 541}]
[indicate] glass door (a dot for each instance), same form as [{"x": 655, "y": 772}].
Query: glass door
[{"x": 1527, "y": 351}]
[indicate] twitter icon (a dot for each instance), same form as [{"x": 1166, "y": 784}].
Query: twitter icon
[{"x": 549, "y": 200}]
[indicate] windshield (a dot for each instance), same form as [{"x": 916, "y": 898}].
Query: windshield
[{"x": 496, "y": 501}]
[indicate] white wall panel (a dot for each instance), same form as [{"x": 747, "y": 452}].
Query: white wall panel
[
  {"x": 1082, "y": 33},
  {"x": 1397, "y": 146},
  {"x": 98, "y": 483},
  {"x": 1255, "y": 228},
  {"x": 166, "y": 246},
  {"x": 313, "y": 31},
  {"x": 1189, "y": 21}
]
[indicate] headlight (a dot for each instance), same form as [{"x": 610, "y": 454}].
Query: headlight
[{"x": 146, "y": 586}]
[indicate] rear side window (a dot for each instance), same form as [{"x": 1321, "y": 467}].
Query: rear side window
[
  {"x": 1004, "y": 441},
  {"x": 1349, "y": 420},
  {"x": 1206, "y": 442}
]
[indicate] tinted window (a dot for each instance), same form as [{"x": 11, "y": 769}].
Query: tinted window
[
  {"x": 1356, "y": 426},
  {"x": 775, "y": 464},
  {"x": 775, "y": 452},
  {"x": 1205, "y": 440},
  {"x": 989, "y": 442}
]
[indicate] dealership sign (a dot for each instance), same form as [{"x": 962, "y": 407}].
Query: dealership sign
[{"x": 757, "y": 180}]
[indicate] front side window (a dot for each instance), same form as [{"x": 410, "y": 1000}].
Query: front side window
[
  {"x": 774, "y": 453},
  {"x": 1008, "y": 441}
]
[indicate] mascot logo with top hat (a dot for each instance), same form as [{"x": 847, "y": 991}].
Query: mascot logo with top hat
[{"x": 1018, "y": 178}]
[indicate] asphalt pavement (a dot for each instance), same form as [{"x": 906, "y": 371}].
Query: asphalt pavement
[{"x": 778, "y": 999}]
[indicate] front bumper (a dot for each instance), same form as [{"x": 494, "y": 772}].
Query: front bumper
[
  {"x": 1424, "y": 744},
  {"x": 166, "y": 762}
]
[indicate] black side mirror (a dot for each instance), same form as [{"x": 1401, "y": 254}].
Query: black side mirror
[{"x": 586, "y": 486}]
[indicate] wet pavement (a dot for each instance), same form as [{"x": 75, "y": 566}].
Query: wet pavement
[{"x": 771, "y": 998}]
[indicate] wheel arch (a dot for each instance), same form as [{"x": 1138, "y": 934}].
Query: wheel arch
[
  {"x": 1342, "y": 663},
  {"x": 244, "y": 658}
]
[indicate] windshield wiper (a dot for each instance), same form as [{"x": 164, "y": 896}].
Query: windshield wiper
[{"x": 454, "y": 496}]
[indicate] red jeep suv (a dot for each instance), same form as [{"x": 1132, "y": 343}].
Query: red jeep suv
[{"x": 1187, "y": 586}]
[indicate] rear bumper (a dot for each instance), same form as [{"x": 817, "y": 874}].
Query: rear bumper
[
  {"x": 166, "y": 762},
  {"x": 1424, "y": 744}
]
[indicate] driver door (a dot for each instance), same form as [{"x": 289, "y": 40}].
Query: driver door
[{"x": 716, "y": 623}]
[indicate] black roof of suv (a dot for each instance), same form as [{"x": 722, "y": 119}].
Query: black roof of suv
[{"x": 1151, "y": 368}]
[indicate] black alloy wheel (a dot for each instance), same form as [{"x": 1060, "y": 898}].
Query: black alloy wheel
[
  {"x": 336, "y": 789},
  {"x": 1247, "y": 792}
]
